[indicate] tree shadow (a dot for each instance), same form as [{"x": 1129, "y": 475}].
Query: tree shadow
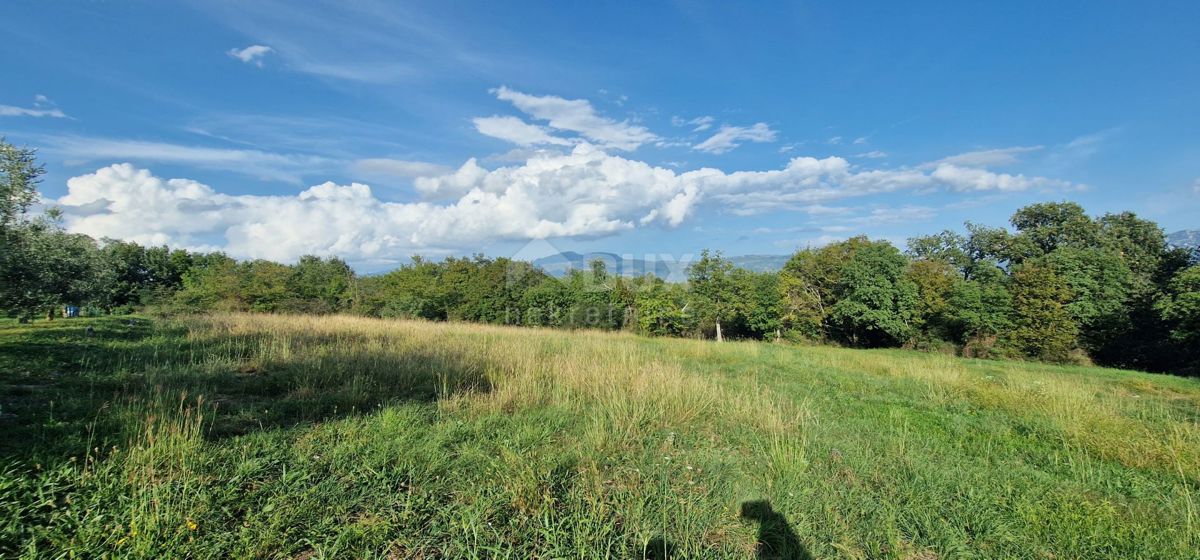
[
  {"x": 776, "y": 539},
  {"x": 65, "y": 389}
]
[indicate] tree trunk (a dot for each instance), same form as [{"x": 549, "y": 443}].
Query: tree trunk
[{"x": 719, "y": 337}]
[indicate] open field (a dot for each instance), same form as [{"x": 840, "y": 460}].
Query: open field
[{"x": 339, "y": 437}]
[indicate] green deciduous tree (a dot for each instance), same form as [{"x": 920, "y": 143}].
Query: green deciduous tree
[
  {"x": 809, "y": 283},
  {"x": 1099, "y": 282},
  {"x": 125, "y": 275},
  {"x": 589, "y": 293},
  {"x": 936, "y": 281},
  {"x": 1050, "y": 225},
  {"x": 20, "y": 174},
  {"x": 47, "y": 268},
  {"x": 759, "y": 303},
  {"x": 979, "y": 311},
  {"x": 320, "y": 285},
  {"x": 1139, "y": 243},
  {"x": 211, "y": 283},
  {"x": 1179, "y": 308},
  {"x": 264, "y": 286},
  {"x": 41, "y": 266},
  {"x": 946, "y": 247},
  {"x": 546, "y": 303},
  {"x": 1042, "y": 324},
  {"x": 413, "y": 291},
  {"x": 661, "y": 309},
  {"x": 710, "y": 283},
  {"x": 876, "y": 301}
]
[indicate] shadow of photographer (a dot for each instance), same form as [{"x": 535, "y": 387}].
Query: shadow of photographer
[{"x": 776, "y": 539}]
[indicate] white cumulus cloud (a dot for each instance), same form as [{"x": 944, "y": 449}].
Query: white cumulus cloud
[{"x": 586, "y": 192}]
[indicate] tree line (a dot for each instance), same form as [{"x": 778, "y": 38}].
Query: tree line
[{"x": 1059, "y": 286}]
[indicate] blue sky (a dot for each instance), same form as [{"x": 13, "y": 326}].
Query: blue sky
[{"x": 376, "y": 131}]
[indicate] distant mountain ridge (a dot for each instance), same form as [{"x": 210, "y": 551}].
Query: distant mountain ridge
[
  {"x": 676, "y": 271},
  {"x": 761, "y": 263},
  {"x": 667, "y": 267},
  {"x": 1187, "y": 238}
]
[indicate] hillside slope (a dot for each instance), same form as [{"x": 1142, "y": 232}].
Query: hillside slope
[{"x": 339, "y": 437}]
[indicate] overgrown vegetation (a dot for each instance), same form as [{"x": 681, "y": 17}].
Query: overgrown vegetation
[
  {"x": 1061, "y": 287},
  {"x": 237, "y": 435}
]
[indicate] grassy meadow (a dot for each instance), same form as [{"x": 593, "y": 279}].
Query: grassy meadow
[{"x": 338, "y": 437}]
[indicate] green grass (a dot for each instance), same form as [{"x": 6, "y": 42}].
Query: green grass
[{"x": 337, "y": 437}]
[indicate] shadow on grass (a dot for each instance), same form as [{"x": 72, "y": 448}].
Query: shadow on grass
[
  {"x": 659, "y": 548},
  {"x": 65, "y": 389},
  {"x": 776, "y": 539}
]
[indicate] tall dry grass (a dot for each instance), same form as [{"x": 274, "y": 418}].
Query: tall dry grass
[{"x": 487, "y": 368}]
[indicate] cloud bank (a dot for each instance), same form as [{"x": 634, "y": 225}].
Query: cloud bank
[{"x": 587, "y": 192}]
